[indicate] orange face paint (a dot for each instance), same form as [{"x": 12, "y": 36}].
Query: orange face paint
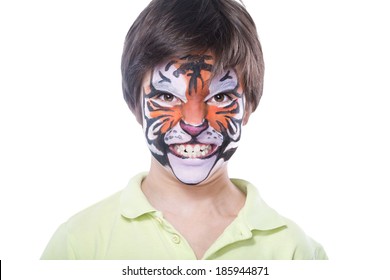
[{"x": 191, "y": 119}]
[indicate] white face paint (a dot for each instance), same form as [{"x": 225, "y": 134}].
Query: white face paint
[{"x": 192, "y": 122}]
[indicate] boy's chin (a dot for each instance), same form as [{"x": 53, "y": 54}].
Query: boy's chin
[{"x": 191, "y": 171}]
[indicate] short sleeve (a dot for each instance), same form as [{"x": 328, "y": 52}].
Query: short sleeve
[
  {"x": 59, "y": 247},
  {"x": 320, "y": 253}
]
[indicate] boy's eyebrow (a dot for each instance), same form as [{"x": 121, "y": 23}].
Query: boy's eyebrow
[
  {"x": 164, "y": 83},
  {"x": 163, "y": 78},
  {"x": 230, "y": 86},
  {"x": 228, "y": 82},
  {"x": 227, "y": 76}
]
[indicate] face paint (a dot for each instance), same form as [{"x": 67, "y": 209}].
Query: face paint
[{"x": 192, "y": 123}]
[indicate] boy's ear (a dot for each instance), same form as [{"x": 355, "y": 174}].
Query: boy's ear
[{"x": 246, "y": 117}]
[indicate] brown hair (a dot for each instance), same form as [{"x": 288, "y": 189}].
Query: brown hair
[{"x": 175, "y": 28}]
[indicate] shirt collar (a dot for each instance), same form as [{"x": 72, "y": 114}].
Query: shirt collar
[
  {"x": 256, "y": 214},
  {"x": 133, "y": 201}
]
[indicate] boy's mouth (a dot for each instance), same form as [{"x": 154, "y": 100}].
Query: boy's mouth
[{"x": 196, "y": 150}]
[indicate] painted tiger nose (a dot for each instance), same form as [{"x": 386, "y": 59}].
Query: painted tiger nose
[{"x": 193, "y": 130}]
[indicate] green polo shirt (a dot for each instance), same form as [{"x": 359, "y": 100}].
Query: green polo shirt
[{"x": 126, "y": 226}]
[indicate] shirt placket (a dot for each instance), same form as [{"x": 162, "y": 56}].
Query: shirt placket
[
  {"x": 177, "y": 242},
  {"x": 235, "y": 232}
]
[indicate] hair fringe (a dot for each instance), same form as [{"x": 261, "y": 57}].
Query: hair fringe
[{"x": 174, "y": 28}]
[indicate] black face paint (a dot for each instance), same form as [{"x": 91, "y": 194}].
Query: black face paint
[{"x": 192, "y": 124}]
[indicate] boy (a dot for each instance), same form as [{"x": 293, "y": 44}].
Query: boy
[{"x": 192, "y": 75}]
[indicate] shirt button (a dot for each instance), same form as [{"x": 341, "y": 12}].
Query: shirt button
[
  {"x": 159, "y": 220},
  {"x": 176, "y": 239}
]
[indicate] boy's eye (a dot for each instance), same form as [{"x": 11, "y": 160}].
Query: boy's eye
[
  {"x": 220, "y": 99},
  {"x": 167, "y": 99}
]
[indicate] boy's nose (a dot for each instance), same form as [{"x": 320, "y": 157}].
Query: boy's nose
[
  {"x": 193, "y": 130},
  {"x": 194, "y": 111}
]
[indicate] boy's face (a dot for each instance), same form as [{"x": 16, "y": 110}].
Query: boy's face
[{"x": 192, "y": 123}]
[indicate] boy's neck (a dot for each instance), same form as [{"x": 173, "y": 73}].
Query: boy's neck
[{"x": 166, "y": 193}]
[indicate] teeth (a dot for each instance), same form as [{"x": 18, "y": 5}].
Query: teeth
[
  {"x": 189, "y": 149},
  {"x": 192, "y": 151}
]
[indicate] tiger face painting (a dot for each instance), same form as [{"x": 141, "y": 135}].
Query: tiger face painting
[{"x": 191, "y": 119}]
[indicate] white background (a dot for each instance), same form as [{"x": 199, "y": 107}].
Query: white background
[{"x": 317, "y": 148}]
